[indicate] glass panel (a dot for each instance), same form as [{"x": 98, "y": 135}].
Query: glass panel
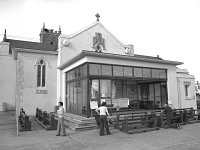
[
  {"x": 117, "y": 71},
  {"x": 163, "y": 73},
  {"x": 75, "y": 73},
  {"x": 151, "y": 97},
  {"x": 95, "y": 89},
  {"x": 84, "y": 70},
  {"x": 106, "y": 70},
  {"x": 117, "y": 89},
  {"x": 94, "y": 69},
  {"x": 78, "y": 72},
  {"x": 105, "y": 86},
  {"x": 144, "y": 95},
  {"x": 79, "y": 96},
  {"x": 128, "y": 72},
  {"x": 155, "y": 73},
  {"x": 68, "y": 102},
  {"x": 105, "y": 92},
  {"x": 151, "y": 92},
  {"x": 131, "y": 90},
  {"x": 43, "y": 75},
  {"x": 75, "y": 96},
  {"x": 146, "y": 73},
  {"x": 39, "y": 75},
  {"x": 72, "y": 75},
  {"x": 137, "y": 72},
  {"x": 163, "y": 94},
  {"x": 67, "y": 76},
  {"x": 157, "y": 95},
  {"x": 84, "y": 96},
  {"x": 71, "y": 97},
  {"x": 125, "y": 88}
]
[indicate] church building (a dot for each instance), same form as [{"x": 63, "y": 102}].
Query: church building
[{"x": 85, "y": 69}]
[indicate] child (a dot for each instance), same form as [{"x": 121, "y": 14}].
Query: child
[
  {"x": 103, "y": 111},
  {"x": 60, "y": 127}
]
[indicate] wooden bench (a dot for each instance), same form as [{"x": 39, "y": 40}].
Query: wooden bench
[
  {"x": 25, "y": 123},
  {"x": 139, "y": 123},
  {"x": 176, "y": 118},
  {"x": 120, "y": 117},
  {"x": 46, "y": 120},
  {"x": 191, "y": 115},
  {"x": 124, "y": 120}
]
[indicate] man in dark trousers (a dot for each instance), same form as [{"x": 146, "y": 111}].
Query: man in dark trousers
[
  {"x": 103, "y": 112},
  {"x": 169, "y": 117}
]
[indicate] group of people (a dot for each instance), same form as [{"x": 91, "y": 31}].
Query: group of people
[{"x": 102, "y": 111}]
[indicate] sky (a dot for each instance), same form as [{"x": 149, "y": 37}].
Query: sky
[{"x": 168, "y": 28}]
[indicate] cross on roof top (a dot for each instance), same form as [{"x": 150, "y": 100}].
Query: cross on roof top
[{"x": 98, "y": 16}]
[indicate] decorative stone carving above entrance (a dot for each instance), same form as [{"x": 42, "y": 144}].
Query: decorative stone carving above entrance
[{"x": 98, "y": 42}]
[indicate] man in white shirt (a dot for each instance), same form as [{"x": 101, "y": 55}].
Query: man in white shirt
[
  {"x": 60, "y": 127},
  {"x": 103, "y": 112}
]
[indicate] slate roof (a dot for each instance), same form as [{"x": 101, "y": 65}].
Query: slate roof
[{"x": 30, "y": 45}]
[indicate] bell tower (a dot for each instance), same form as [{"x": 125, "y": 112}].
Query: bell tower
[{"x": 49, "y": 36}]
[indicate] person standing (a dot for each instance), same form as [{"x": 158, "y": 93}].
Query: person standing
[
  {"x": 103, "y": 112},
  {"x": 60, "y": 127}
]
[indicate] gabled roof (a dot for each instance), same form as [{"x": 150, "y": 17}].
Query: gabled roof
[
  {"x": 117, "y": 56},
  {"x": 88, "y": 27},
  {"x": 30, "y": 45}
]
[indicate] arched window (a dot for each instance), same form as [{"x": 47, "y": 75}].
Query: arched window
[{"x": 41, "y": 71}]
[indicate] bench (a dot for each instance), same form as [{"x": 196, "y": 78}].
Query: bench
[
  {"x": 120, "y": 117},
  {"x": 140, "y": 119},
  {"x": 176, "y": 118},
  {"x": 139, "y": 123},
  {"x": 191, "y": 115},
  {"x": 46, "y": 120},
  {"x": 25, "y": 123}
]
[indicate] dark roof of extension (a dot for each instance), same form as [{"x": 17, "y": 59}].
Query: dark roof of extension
[
  {"x": 135, "y": 57},
  {"x": 30, "y": 45}
]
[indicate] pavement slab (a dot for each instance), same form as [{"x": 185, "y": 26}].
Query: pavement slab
[{"x": 187, "y": 138}]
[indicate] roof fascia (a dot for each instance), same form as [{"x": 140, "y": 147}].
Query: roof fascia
[{"x": 86, "y": 53}]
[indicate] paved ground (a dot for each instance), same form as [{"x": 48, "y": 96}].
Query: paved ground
[{"x": 188, "y": 138}]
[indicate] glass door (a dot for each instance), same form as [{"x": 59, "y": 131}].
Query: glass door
[
  {"x": 94, "y": 96},
  {"x": 105, "y": 93}
]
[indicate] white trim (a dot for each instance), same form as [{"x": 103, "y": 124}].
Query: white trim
[
  {"x": 64, "y": 90},
  {"x": 77, "y": 63}
]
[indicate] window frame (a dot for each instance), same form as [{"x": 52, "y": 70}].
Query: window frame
[{"x": 39, "y": 82}]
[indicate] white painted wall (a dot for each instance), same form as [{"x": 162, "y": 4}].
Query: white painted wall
[
  {"x": 29, "y": 99},
  {"x": 7, "y": 77},
  {"x": 186, "y": 102}
]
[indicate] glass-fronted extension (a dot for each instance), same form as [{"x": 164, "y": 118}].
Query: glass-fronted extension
[{"x": 122, "y": 87}]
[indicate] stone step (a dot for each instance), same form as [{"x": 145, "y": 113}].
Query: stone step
[{"x": 79, "y": 124}]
